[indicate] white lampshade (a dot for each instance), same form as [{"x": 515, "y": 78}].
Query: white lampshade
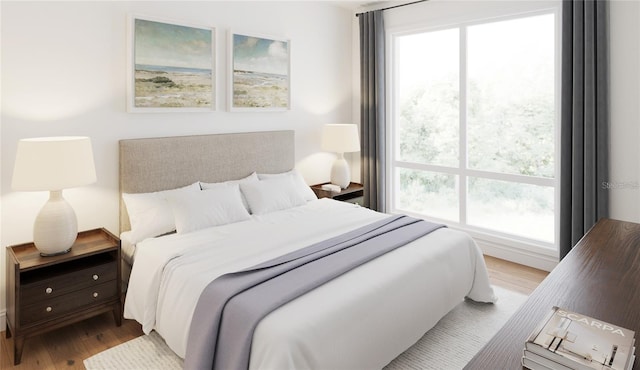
[
  {"x": 54, "y": 164},
  {"x": 340, "y": 138}
]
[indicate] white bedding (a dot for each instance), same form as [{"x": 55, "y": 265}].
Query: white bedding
[{"x": 361, "y": 320}]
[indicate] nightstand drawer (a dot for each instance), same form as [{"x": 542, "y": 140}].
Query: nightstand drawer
[
  {"x": 39, "y": 287},
  {"x": 55, "y": 307}
]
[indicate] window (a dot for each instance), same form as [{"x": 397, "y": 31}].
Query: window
[{"x": 473, "y": 126}]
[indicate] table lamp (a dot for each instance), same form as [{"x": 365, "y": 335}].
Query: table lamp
[
  {"x": 53, "y": 164},
  {"x": 340, "y": 138}
]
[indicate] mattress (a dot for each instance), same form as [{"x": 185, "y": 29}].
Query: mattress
[
  {"x": 127, "y": 248},
  {"x": 362, "y": 319}
]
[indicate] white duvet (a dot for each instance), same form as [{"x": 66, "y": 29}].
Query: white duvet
[{"x": 361, "y": 320}]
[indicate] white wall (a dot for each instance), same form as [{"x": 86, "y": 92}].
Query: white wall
[
  {"x": 64, "y": 73},
  {"x": 625, "y": 110}
]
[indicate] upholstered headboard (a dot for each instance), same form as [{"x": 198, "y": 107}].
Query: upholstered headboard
[{"x": 155, "y": 164}]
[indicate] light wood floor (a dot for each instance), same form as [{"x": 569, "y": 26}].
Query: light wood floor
[
  {"x": 513, "y": 276},
  {"x": 65, "y": 348}
]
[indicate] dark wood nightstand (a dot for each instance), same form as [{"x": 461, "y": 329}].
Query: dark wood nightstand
[
  {"x": 353, "y": 193},
  {"x": 46, "y": 293}
]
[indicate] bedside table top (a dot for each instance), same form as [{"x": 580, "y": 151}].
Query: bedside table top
[
  {"x": 353, "y": 187},
  {"x": 88, "y": 242}
]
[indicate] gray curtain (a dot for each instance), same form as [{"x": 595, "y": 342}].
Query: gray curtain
[
  {"x": 372, "y": 109},
  {"x": 584, "y": 119}
]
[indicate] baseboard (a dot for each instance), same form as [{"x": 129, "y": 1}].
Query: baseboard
[
  {"x": 517, "y": 255},
  {"x": 500, "y": 246},
  {"x": 3, "y": 320}
]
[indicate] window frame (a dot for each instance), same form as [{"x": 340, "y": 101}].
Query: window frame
[{"x": 496, "y": 239}]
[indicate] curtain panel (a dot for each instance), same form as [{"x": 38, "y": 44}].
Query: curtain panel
[
  {"x": 372, "y": 109},
  {"x": 584, "y": 119}
]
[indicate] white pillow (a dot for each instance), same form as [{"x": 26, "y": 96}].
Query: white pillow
[
  {"x": 150, "y": 214},
  {"x": 301, "y": 186},
  {"x": 271, "y": 195},
  {"x": 213, "y": 185},
  {"x": 213, "y": 207}
]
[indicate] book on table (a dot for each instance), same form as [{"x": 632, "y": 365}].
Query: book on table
[
  {"x": 533, "y": 365},
  {"x": 568, "y": 340},
  {"x": 541, "y": 362}
]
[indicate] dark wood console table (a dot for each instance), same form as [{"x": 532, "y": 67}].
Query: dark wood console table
[{"x": 600, "y": 278}]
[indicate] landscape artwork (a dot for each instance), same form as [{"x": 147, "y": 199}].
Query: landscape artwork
[
  {"x": 173, "y": 67},
  {"x": 260, "y": 76}
]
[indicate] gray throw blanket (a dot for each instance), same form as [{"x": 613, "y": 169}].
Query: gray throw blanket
[{"x": 232, "y": 305}]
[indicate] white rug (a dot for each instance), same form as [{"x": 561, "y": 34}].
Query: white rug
[{"x": 449, "y": 345}]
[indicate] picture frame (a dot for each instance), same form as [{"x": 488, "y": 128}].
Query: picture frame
[
  {"x": 259, "y": 72},
  {"x": 172, "y": 66}
]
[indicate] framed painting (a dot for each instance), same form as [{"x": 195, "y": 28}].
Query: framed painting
[
  {"x": 172, "y": 67},
  {"x": 259, "y": 73}
]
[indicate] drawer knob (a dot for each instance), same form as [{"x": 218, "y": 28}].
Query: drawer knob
[
  {"x": 48, "y": 290},
  {"x": 49, "y": 309},
  {"x": 95, "y": 294},
  {"x": 95, "y": 277}
]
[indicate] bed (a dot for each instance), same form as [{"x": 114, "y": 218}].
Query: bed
[{"x": 361, "y": 319}]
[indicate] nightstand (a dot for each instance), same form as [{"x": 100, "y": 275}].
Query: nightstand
[
  {"x": 46, "y": 293},
  {"x": 353, "y": 193}
]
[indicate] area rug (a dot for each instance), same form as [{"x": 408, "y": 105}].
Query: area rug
[{"x": 449, "y": 345}]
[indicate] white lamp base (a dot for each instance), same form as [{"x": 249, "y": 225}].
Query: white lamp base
[
  {"x": 56, "y": 226},
  {"x": 340, "y": 173}
]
